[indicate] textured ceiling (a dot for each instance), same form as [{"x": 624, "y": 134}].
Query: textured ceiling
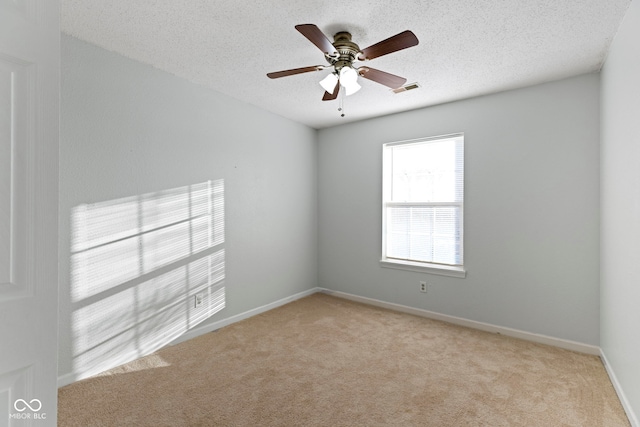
[{"x": 467, "y": 48}]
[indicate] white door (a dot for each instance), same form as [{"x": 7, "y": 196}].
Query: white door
[{"x": 29, "y": 116}]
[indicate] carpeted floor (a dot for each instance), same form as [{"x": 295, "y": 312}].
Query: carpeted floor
[{"x": 325, "y": 361}]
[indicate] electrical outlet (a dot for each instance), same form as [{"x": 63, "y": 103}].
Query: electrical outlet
[
  {"x": 199, "y": 299},
  {"x": 423, "y": 287}
]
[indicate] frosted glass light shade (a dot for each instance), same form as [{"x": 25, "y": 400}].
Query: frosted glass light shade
[
  {"x": 348, "y": 75},
  {"x": 352, "y": 88},
  {"x": 329, "y": 82},
  {"x": 348, "y": 79}
]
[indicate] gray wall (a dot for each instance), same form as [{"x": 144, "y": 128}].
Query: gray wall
[
  {"x": 128, "y": 129},
  {"x": 620, "y": 228},
  {"x": 531, "y": 209}
]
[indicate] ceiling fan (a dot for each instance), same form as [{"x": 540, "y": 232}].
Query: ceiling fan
[{"x": 342, "y": 53}]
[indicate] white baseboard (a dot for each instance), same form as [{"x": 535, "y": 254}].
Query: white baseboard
[
  {"x": 616, "y": 385},
  {"x": 67, "y": 379},
  {"x": 199, "y": 330},
  {"x": 528, "y": 336},
  {"x": 542, "y": 339}
]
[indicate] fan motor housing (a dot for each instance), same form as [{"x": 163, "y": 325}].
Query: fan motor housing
[{"x": 347, "y": 51}]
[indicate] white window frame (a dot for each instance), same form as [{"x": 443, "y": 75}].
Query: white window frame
[{"x": 423, "y": 267}]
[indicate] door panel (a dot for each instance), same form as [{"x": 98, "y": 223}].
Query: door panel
[{"x": 29, "y": 116}]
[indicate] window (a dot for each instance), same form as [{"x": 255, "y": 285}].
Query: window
[{"x": 422, "y": 212}]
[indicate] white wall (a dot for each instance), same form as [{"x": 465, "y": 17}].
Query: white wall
[
  {"x": 531, "y": 209},
  {"x": 620, "y": 209},
  {"x": 128, "y": 130}
]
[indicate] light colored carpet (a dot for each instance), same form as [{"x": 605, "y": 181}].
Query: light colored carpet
[{"x": 325, "y": 361}]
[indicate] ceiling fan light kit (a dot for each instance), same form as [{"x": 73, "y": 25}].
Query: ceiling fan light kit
[{"x": 341, "y": 55}]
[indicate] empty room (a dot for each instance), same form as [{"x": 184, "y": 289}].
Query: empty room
[{"x": 320, "y": 213}]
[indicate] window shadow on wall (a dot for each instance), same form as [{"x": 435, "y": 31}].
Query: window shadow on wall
[{"x": 138, "y": 265}]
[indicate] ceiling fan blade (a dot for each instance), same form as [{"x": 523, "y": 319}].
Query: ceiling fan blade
[
  {"x": 331, "y": 96},
  {"x": 278, "y": 74},
  {"x": 382, "y": 77},
  {"x": 317, "y": 37},
  {"x": 393, "y": 44}
]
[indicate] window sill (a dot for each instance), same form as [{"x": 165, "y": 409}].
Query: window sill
[{"x": 421, "y": 267}]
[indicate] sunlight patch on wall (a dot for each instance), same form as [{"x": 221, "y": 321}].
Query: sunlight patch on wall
[{"x": 137, "y": 264}]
